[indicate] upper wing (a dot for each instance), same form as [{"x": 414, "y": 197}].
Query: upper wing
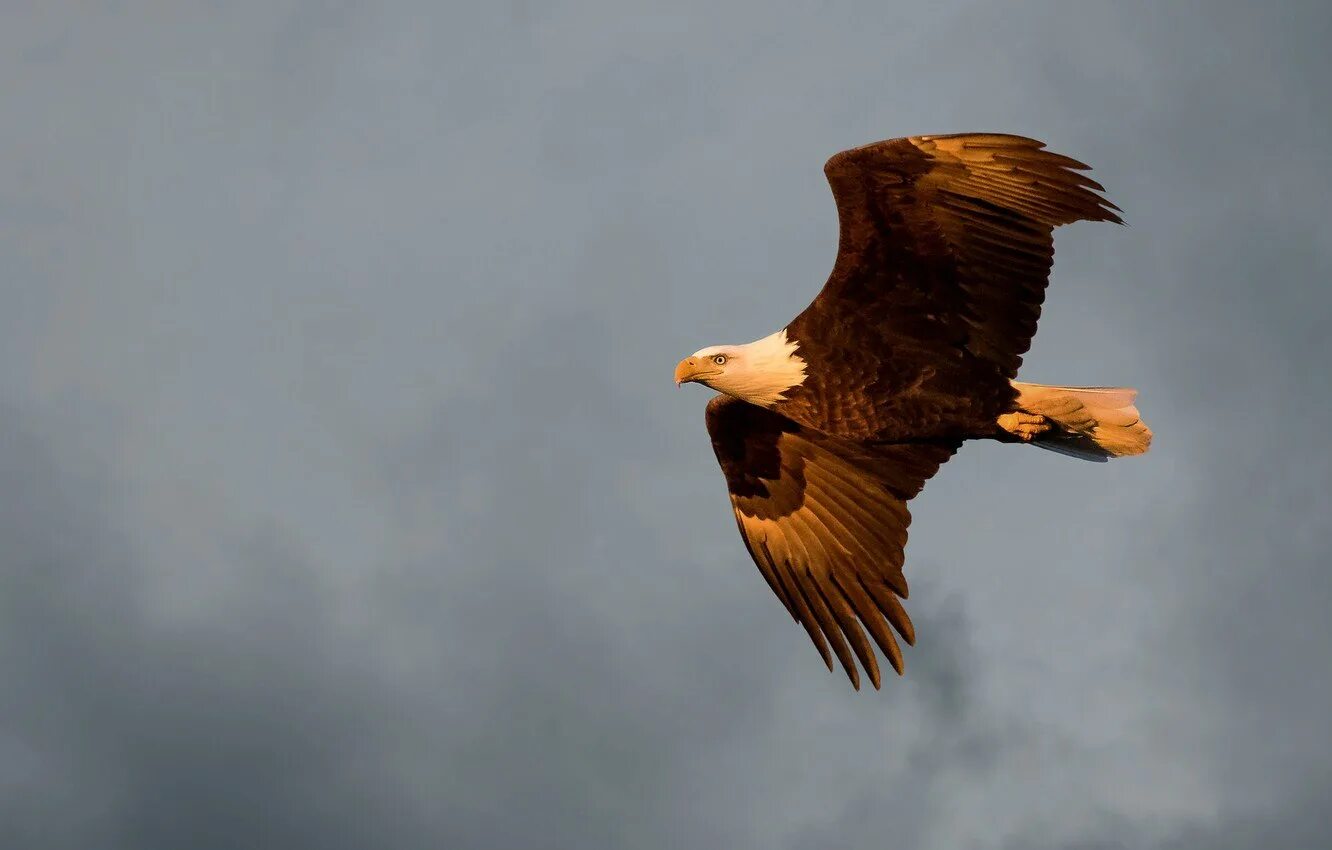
[
  {"x": 826, "y": 521},
  {"x": 955, "y": 230}
]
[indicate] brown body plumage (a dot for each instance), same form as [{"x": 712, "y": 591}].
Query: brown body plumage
[{"x": 912, "y": 346}]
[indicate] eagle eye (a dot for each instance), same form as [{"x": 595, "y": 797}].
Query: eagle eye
[{"x": 719, "y": 359}]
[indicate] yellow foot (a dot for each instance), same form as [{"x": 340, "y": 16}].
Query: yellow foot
[{"x": 1024, "y": 426}]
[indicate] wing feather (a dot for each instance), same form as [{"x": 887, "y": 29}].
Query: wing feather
[
  {"x": 871, "y": 615},
  {"x": 769, "y": 571},
  {"x": 802, "y": 612},
  {"x": 828, "y": 625},
  {"x": 825, "y": 520},
  {"x": 960, "y": 226}
]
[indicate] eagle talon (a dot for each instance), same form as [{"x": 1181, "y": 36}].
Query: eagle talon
[{"x": 1025, "y": 426}]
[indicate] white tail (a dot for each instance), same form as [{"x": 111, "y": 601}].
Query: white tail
[{"x": 1092, "y": 423}]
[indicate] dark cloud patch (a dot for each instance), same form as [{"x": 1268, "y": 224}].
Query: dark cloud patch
[
  {"x": 956, "y": 734},
  {"x": 250, "y": 723},
  {"x": 1297, "y": 821}
]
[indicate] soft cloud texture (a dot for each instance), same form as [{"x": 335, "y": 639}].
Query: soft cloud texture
[{"x": 346, "y": 501}]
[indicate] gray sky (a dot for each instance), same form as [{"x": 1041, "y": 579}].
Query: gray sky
[{"x": 346, "y": 500}]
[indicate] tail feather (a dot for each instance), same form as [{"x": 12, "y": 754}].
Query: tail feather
[{"x": 1092, "y": 423}]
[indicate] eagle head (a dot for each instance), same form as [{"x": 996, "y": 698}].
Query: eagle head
[
  {"x": 760, "y": 372},
  {"x": 708, "y": 366}
]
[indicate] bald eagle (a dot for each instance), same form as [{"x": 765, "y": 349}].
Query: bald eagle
[{"x": 827, "y": 428}]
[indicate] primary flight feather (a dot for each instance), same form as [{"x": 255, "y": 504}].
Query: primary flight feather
[{"x": 826, "y": 428}]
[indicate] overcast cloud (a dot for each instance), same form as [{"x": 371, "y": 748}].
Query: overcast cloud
[{"x": 346, "y": 500}]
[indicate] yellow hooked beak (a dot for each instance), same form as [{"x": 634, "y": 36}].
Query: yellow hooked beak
[{"x": 694, "y": 369}]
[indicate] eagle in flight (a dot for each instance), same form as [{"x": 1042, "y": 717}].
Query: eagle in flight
[{"x": 827, "y": 428}]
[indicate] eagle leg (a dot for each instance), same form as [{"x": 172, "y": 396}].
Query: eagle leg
[{"x": 1025, "y": 426}]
